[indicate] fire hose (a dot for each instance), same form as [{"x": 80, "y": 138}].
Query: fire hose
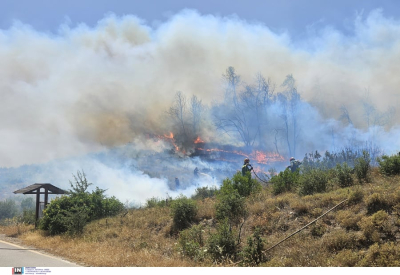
[{"x": 259, "y": 177}]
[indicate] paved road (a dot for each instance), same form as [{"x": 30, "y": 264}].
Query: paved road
[{"x": 15, "y": 255}]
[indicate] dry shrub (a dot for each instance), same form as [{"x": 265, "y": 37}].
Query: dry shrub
[
  {"x": 206, "y": 209},
  {"x": 356, "y": 197},
  {"x": 382, "y": 255},
  {"x": 378, "y": 226},
  {"x": 316, "y": 212},
  {"x": 318, "y": 229},
  {"x": 341, "y": 239},
  {"x": 324, "y": 200},
  {"x": 257, "y": 208},
  {"x": 281, "y": 202},
  {"x": 300, "y": 207},
  {"x": 346, "y": 258},
  {"x": 348, "y": 219},
  {"x": 376, "y": 202}
]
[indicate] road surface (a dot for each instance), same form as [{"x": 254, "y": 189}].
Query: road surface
[{"x": 15, "y": 255}]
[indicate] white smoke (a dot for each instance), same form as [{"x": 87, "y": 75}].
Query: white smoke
[{"x": 87, "y": 89}]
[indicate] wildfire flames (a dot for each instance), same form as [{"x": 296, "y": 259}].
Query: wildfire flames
[
  {"x": 198, "y": 140},
  {"x": 257, "y": 156},
  {"x": 170, "y": 138}
]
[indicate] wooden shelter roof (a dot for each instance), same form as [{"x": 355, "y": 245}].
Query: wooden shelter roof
[{"x": 34, "y": 188}]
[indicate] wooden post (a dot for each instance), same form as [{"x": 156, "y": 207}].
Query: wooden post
[
  {"x": 46, "y": 197},
  {"x": 37, "y": 207}
]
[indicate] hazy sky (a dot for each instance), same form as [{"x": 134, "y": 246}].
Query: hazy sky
[
  {"x": 80, "y": 76},
  {"x": 293, "y": 16}
]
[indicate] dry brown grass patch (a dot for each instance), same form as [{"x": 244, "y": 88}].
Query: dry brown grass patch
[
  {"x": 16, "y": 230},
  {"x": 206, "y": 208}
]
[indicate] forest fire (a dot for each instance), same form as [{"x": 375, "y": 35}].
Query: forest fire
[
  {"x": 225, "y": 153},
  {"x": 256, "y": 156}
]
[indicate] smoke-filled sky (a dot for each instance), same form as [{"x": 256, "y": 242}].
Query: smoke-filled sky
[{"x": 80, "y": 76}]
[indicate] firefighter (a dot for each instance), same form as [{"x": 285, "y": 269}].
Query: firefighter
[
  {"x": 196, "y": 172},
  {"x": 246, "y": 166},
  {"x": 177, "y": 183},
  {"x": 294, "y": 164}
]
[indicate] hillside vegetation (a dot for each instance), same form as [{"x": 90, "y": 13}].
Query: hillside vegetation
[{"x": 238, "y": 223}]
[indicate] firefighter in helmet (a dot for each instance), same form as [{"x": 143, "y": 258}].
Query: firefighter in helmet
[
  {"x": 246, "y": 166},
  {"x": 294, "y": 164}
]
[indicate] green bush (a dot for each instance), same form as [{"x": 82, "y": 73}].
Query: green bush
[
  {"x": 362, "y": 167},
  {"x": 76, "y": 219},
  {"x": 230, "y": 204},
  {"x": 70, "y": 213},
  {"x": 184, "y": 212},
  {"x": 253, "y": 254},
  {"x": 155, "y": 202},
  {"x": 245, "y": 185},
  {"x": 191, "y": 242},
  {"x": 204, "y": 192},
  {"x": 221, "y": 245},
  {"x": 313, "y": 181},
  {"x": 344, "y": 175},
  {"x": 389, "y": 165},
  {"x": 285, "y": 181}
]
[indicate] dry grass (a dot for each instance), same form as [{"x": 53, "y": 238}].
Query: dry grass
[{"x": 348, "y": 236}]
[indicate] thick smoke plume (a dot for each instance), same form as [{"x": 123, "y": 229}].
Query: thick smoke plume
[{"x": 86, "y": 90}]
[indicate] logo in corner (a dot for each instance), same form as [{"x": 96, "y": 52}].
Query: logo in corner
[{"x": 18, "y": 270}]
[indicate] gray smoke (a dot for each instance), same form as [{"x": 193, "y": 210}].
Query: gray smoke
[{"x": 86, "y": 90}]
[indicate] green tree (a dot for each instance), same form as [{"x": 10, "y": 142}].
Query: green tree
[{"x": 8, "y": 209}]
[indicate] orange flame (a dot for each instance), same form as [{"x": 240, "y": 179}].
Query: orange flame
[
  {"x": 257, "y": 156},
  {"x": 199, "y": 140},
  {"x": 170, "y": 137}
]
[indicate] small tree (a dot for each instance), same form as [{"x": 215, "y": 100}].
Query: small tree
[
  {"x": 184, "y": 212},
  {"x": 222, "y": 244},
  {"x": 389, "y": 165},
  {"x": 191, "y": 242},
  {"x": 245, "y": 185},
  {"x": 343, "y": 174},
  {"x": 253, "y": 253},
  {"x": 362, "y": 167},
  {"x": 230, "y": 204},
  {"x": 8, "y": 209}
]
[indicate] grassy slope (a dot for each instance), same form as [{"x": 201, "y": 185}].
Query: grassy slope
[{"x": 355, "y": 234}]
